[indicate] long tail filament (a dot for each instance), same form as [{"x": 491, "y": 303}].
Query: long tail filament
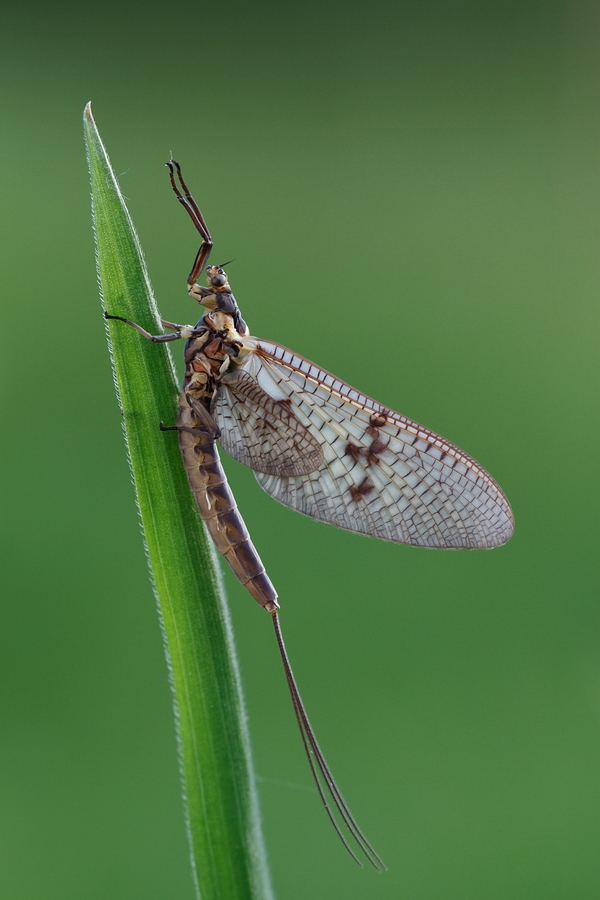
[{"x": 326, "y": 783}]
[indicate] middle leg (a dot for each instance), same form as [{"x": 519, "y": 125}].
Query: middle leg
[{"x": 181, "y": 331}]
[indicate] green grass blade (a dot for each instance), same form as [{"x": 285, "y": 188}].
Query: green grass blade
[{"x": 227, "y": 848}]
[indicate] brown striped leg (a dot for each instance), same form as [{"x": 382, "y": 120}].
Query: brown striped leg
[
  {"x": 156, "y": 338},
  {"x": 212, "y": 429},
  {"x": 197, "y": 432},
  {"x": 197, "y": 218}
]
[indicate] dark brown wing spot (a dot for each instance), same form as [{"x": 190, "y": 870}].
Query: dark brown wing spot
[
  {"x": 372, "y": 454},
  {"x": 353, "y": 450},
  {"x": 372, "y": 431},
  {"x": 378, "y": 420},
  {"x": 364, "y": 488}
]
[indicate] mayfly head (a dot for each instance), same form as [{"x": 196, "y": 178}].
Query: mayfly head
[{"x": 217, "y": 279}]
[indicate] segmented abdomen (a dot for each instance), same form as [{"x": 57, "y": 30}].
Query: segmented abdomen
[{"x": 218, "y": 508}]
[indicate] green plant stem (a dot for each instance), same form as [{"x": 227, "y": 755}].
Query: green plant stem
[{"x": 220, "y": 799}]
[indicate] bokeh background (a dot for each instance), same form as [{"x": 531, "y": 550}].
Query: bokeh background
[{"x": 412, "y": 194}]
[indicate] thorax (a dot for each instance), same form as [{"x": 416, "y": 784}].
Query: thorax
[{"x": 209, "y": 354}]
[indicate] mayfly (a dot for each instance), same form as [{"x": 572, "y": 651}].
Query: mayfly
[{"x": 318, "y": 446}]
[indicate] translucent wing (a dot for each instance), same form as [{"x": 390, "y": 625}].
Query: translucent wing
[
  {"x": 261, "y": 431},
  {"x": 378, "y": 473}
]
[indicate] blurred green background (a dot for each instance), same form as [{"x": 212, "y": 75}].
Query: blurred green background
[{"x": 412, "y": 194}]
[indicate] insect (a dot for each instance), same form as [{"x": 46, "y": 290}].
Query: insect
[{"x": 318, "y": 446}]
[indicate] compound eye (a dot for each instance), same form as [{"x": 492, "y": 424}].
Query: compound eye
[{"x": 218, "y": 280}]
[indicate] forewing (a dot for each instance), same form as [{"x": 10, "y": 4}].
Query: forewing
[
  {"x": 261, "y": 431},
  {"x": 381, "y": 474}
]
